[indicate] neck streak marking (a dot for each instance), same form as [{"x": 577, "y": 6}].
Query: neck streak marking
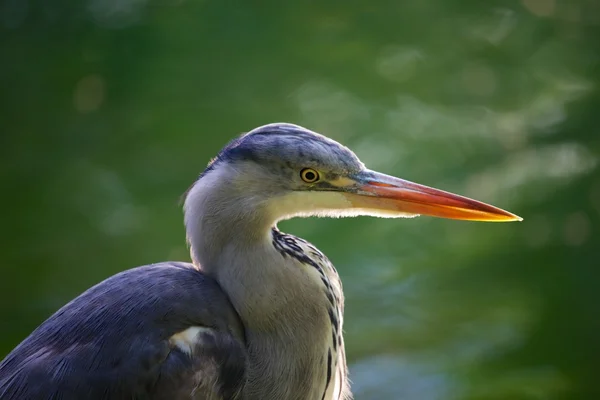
[{"x": 287, "y": 245}]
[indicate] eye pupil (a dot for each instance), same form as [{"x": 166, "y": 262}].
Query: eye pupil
[{"x": 309, "y": 175}]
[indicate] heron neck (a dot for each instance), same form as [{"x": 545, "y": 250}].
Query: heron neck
[
  {"x": 279, "y": 300},
  {"x": 222, "y": 221}
]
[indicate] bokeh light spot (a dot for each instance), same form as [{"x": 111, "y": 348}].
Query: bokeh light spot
[
  {"x": 541, "y": 8},
  {"x": 116, "y": 14},
  {"x": 89, "y": 94},
  {"x": 399, "y": 64}
]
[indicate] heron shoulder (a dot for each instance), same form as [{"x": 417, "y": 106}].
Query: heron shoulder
[{"x": 133, "y": 326}]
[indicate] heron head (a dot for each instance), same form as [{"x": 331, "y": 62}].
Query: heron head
[{"x": 287, "y": 171}]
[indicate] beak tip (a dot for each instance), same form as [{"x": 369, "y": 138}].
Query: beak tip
[{"x": 510, "y": 217}]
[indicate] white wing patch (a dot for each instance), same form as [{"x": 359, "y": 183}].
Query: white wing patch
[{"x": 187, "y": 340}]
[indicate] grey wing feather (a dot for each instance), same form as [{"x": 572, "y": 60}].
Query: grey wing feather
[{"x": 112, "y": 342}]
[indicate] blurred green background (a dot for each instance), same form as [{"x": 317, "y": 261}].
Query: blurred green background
[{"x": 110, "y": 108}]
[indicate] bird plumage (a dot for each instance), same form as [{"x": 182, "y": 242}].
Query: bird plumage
[
  {"x": 290, "y": 301},
  {"x": 282, "y": 299},
  {"x": 257, "y": 316},
  {"x": 336, "y": 379},
  {"x": 113, "y": 342}
]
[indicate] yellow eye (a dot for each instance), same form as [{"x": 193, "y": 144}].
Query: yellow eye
[{"x": 309, "y": 175}]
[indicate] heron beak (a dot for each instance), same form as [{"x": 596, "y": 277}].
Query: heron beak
[{"x": 376, "y": 191}]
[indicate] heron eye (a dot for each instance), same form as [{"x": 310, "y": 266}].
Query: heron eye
[{"x": 309, "y": 175}]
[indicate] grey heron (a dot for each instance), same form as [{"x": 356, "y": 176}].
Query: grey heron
[{"x": 257, "y": 315}]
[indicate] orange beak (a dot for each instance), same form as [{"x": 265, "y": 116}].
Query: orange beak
[{"x": 376, "y": 191}]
